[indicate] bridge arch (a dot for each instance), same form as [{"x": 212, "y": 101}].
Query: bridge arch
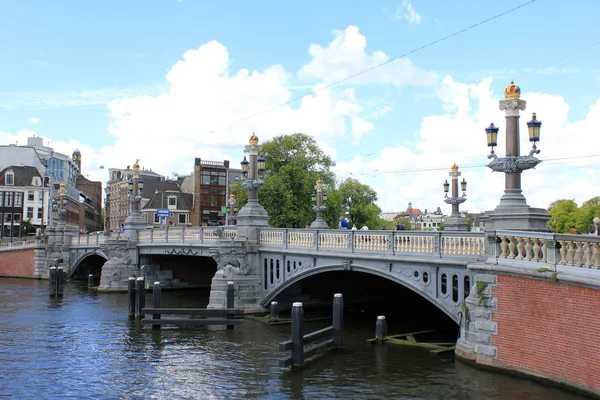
[
  {"x": 337, "y": 267},
  {"x": 81, "y": 257}
]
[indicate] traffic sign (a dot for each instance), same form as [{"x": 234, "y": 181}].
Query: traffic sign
[{"x": 161, "y": 212}]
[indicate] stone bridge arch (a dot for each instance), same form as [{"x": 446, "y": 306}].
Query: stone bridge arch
[
  {"x": 279, "y": 273},
  {"x": 79, "y": 256}
]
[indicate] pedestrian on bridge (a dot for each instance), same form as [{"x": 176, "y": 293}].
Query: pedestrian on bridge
[{"x": 343, "y": 223}]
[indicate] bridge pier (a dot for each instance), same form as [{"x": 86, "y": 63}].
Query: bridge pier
[{"x": 122, "y": 263}]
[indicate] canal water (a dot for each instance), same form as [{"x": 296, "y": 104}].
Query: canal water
[{"x": 83, "y": 347}]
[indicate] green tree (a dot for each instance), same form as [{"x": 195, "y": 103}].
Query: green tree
[
  {"x": 586, "y": 213},
  {"x": 294, "y": 163},
  {"x": 26, "y": 227},
  {"x": 563, "y": 214},
  {"x": 358, "y": 201}
]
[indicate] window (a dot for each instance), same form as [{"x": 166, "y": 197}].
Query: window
[
  {"x": 156, "y": 218},
  {"x": 9, "y": 178},
  {"x": 214, "y": 200},
  {"x": 173, "y": 201},
  {"x": 7, "y": 218},
  {"x": 30, "y": 212},
  {"x": 1, "y": 199},
  {"x": 39, "y": 213},
  {"x": 40, "y": 195},
  {"x": 30, "y": 195},
  {"x": 37, "y": 181},
  {"x": 205, "y": 179},
  {"x": 8, "y": 200},
  {"x": 222, "y": 181},
  {"x": 183, "y": 218},
  {"x": 17, "y": 217},
  {"x": 19, "y": 199}
]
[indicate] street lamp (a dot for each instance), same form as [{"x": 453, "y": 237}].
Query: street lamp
[
  {"x": 513, "y": 164},
  {"x": 319, "y": 199},
  {"x": 231, "y": 210},
  {"x": 135, "y": 221},
  {"x": 60, "y": 206},
  {"x": 455, "y": 222}
]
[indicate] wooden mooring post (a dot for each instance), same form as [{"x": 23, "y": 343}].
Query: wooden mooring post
[
  {"x": 224, "y": 316},
  {"x": 274, "y": 311},
  {"x": 380, "y": 329},
  {"x": 304, "y": 347},
  {"x": 131, "y": 296},
  {"x": 57, "y": 277},
  {"x": 141, "y": 297},
  {"x": 90, "y": 280}
]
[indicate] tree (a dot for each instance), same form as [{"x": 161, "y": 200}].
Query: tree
[
  {"x": 358, "y": 201},
  {"x": 26, "y": 227},
  {"x": 563, "y": 215},
  {"x": 586, "y": 213},
  {"x": 294, "y": 163}
]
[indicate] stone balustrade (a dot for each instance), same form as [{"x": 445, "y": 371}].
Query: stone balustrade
[
  {"x": 88, "y": 239},
  {"x": 549, "y": 248},
  {"x": 394, "y": 242},
  {"x": 20, "y": 242},
  {"x": 195, "y": 234}
]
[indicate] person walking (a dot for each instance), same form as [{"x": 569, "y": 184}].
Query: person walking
[
  {"x": 596, "y": 227},
  {"x": 343, "y": 223}
]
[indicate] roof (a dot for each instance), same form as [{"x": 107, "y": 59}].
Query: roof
[
  {"x": 150, "y": 187},
  {"x": 185, "y": 201},
  {"x": 23, "y": 175}
]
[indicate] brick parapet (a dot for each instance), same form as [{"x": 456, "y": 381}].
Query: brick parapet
[{"x": 529, "y": 320}]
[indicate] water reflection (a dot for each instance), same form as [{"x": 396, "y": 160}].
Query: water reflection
[{"x": 84, "y": 346}]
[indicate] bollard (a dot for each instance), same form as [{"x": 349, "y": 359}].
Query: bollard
[
  {"x": 274, "y": 312},
  {"x": 52, "y": 281},
  {"x": 297, "y": 334},
  {"x": 380, "y": 329},
  {"x": 230, "y": 302},
  {"x": 141, "y": 297},
  {"x": 60, "y": 281},
  {"x": 156, "y": 302},
  {"x": 90, "y": 280},
  {"x": 338, "y": 320},
  {"x": 131, "y": 296}
]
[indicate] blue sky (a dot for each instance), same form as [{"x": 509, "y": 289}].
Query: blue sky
[{"x": 66, "y": 65}]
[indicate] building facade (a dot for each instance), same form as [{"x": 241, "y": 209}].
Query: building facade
[
  {"x": 23, "y": 197},
  {"x": 178, "y": 204},
  {"x": 211, "y": 188}
]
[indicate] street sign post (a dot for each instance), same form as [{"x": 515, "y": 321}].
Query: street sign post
[{"x": 161, "y": 212}]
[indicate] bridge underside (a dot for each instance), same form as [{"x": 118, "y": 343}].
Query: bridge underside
[{"x": 444, "y": 286}]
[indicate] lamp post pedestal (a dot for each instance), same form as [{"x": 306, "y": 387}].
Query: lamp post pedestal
[
  {"x": 455, "y": 222},
  {"x": 319, "y": 223},
  {"x": 319, "y": 197}
]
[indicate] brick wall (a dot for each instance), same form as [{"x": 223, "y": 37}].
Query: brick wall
[
  {"x": 17, "y": 263},
  {"x": 548, "y": 329}
]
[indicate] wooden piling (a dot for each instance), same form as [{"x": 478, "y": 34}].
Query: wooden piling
[
  {"x": 230, "y": 302},
  {"x": 52, "y": 281},
  {"x": 90, "y": 280},
  {"x": 156, "y": 302},
  {"x": 131, "y": 296},
  {"x": 60, "y": 280},
  {"x": 274, "y": 311},
  {"x": 338, "y": 320},
  {"x": 380, "y": 328},
  {"x": 141, "y": 297},
  {"x": 297, "y": 334}
]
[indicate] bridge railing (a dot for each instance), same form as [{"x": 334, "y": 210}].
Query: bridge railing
[
  {"x": 549, "y": 248},
  {"x": 20, "y": 242},
  {"x": 194, "y": 234},
  {"x": 89, "y": 239},
  {"x": 393, "y": 242}
]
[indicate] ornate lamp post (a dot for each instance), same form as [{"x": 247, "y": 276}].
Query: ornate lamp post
[
  {"x": 252, "y": 214},
  {"x": 455, "y": 222},
  {"x": 135, "y": 221},
  {"x": 513, "y": 211},
  {"x": 231, "y": 210},
  {"x": 319, "y": 198}
]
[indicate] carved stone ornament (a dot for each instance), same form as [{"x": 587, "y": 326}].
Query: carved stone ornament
[
  {"x": 513, "y": 104},
  {"x": 254, "y": 184},
  {"x": 455, "y": 200},
  {"x": 347, "y": 266},
  {"x": 231, "y": 261},
  {"x": 319, "y": 208},
  {"x": 511, "y": 164},
  {"x": 219, "y": 232}
]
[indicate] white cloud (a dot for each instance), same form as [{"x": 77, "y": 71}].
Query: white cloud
[
  {"x": 401, "y": 174},
  {"x": 407, "y": 12},
  {"x": 33, "y": 120},
  {"x": 345, "y": 56}
]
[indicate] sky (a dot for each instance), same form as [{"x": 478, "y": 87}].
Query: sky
[{"x": 166, "y": 81}]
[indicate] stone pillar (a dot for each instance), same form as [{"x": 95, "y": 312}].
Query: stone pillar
[{"x": 121, "y": 265}]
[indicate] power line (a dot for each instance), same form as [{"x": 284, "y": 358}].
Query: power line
[
  {"x": 415, "y": 50},
  {"x": 555, "y": 160}
]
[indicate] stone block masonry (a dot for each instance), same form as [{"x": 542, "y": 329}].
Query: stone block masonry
[
  {"x": 17, "y": 263},
  {"x": 548, "y": 329}
]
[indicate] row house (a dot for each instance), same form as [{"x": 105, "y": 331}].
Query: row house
[
  {"x": 178, "y": 204},
  {"x": 23, "y": 197}
]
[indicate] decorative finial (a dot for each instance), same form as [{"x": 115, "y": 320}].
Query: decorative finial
[
  {"x": 253, "y": 139},
  {"x": 512, "y": 91},
  {"x": 319, "y": 183},
  {"x": 454, "y": 168},
  {"x": 136, "y": 166}
]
